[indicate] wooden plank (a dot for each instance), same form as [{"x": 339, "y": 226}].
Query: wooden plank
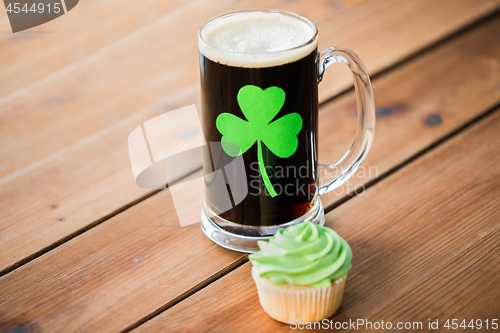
[
  {"x": 445, "y": 96},
  {"x": 95, "y": 27},
  {"x": 95, "y": 276},
  {"x": 158, "y": 64},
  {"x": 425, "y": 242},
  {"x": 33, "y": 54},
  {"x": 75, "y": 188},
  {"x": 456, "y": 292}
]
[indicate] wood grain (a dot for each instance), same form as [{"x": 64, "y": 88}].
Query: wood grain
[
  {"x": 442, "y": 97},
  {"x": 466, "y": 288},
  {"x": 425, "y": 243},
  {"x": 33, "y": 54},
  {"x": 85, "y": 183},
  {"x": 95, "y": 277},
  {"x": 158, "y": 64}
]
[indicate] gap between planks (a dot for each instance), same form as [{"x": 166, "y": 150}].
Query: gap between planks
[
  {"x": 194, "y": 290},
  {"x": 91, "y": 225}
]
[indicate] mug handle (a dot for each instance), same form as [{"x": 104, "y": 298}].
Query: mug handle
[{"x": 336, "y": 174}]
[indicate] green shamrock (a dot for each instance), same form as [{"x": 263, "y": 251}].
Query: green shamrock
[{"x": 260, "y": 107}]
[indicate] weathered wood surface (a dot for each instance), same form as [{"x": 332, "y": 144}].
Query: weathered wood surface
[
  {"x": 78, "y": 37},
  {"x": 140, "y": 261},
  {"x": 436, "y": 93},
  {"x": 57, "y": 184},
  {"x": 426, "y": 244}
]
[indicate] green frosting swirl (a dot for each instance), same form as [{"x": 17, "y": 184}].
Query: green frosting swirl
[{"x": 303, "y": 254}]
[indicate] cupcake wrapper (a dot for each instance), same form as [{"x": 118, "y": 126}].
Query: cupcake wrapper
[{"x": 295, "y": 304}]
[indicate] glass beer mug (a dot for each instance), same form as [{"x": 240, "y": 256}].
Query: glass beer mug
[{"x": 260, "y": 71}]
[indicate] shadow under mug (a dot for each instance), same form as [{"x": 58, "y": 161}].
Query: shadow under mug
[{"x": 260, "y": 121}]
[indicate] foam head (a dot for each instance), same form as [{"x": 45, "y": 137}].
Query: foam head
[{"x": 257, "y": 39}]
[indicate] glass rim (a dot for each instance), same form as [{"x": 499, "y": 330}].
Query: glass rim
[{"x": 258, "y": 10}]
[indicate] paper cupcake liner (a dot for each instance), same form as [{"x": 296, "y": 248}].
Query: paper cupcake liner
[{"x": 295, "y": 304}]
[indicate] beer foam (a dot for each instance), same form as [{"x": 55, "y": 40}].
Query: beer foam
[{"x": 257, "y": 39}]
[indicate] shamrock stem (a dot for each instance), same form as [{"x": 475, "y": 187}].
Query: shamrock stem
[{"x": 263, "y": 173}]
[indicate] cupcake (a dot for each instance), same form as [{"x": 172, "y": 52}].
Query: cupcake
[{"x": 300, "y": 273}]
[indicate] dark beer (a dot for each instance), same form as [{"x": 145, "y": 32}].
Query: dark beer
[{"x": 293, "y": 178}]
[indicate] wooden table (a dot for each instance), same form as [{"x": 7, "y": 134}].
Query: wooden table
[{"x": 85, "y": 249}]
